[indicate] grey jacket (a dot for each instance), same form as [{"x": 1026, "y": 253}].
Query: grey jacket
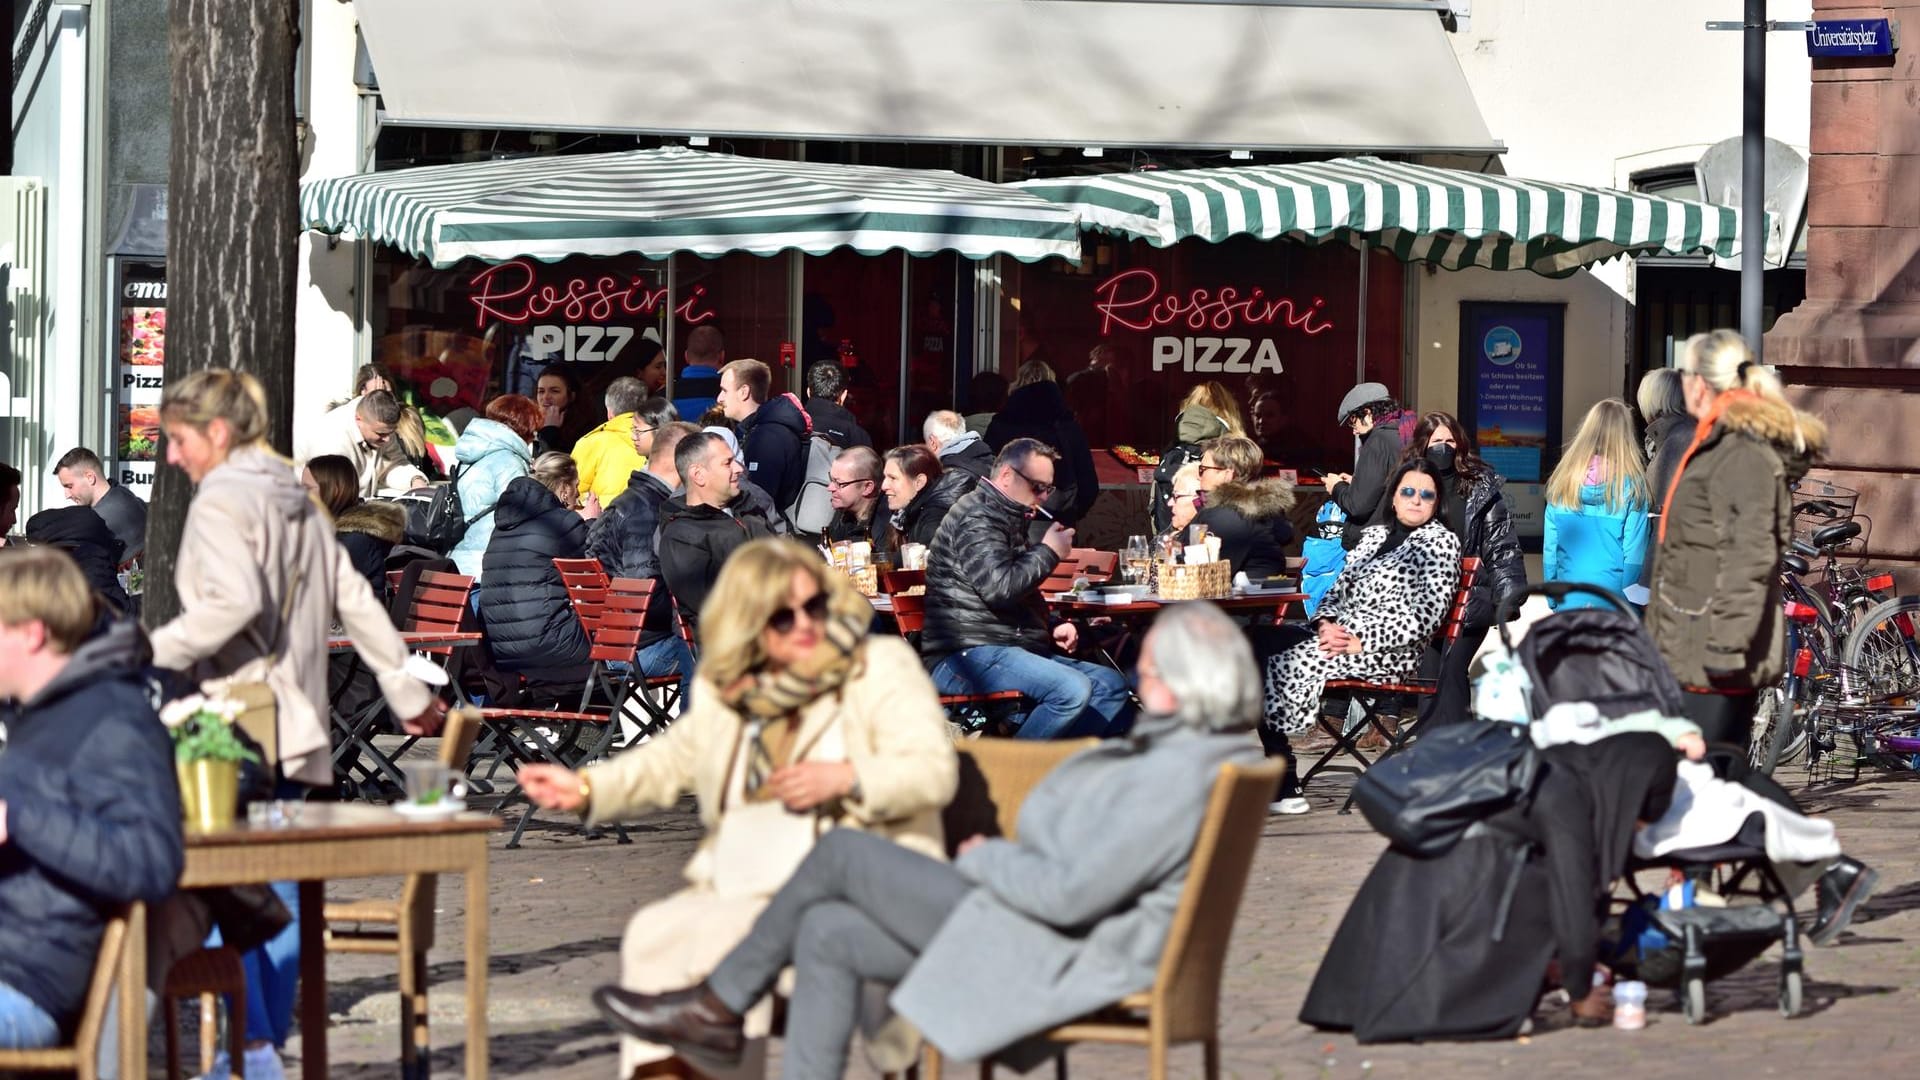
[{"x": 1074, "y": 915}]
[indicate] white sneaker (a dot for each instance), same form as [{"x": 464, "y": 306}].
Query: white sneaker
[
  {"x": 263, "y": 1063},
  {"x": 222, "y": 1068},
  {"x": 1294, "y": 805}
]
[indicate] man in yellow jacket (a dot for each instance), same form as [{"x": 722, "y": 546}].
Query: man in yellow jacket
[{"x": 610, "y": 454}]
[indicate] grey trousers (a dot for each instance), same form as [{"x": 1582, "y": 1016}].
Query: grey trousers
[{"x": 859, "y": 909}]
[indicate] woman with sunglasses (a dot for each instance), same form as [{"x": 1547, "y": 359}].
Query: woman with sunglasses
[
  {"x": 1381, "y": 613},
  {"x": 1473, "y": 506},
  {"x": 800, "y": 723}
]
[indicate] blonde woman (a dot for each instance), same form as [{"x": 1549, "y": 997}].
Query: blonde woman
[
  {"x": 800, "y": 723},
  {"x": 261, "y": 579},
  {"x": 1207, "y": 412},
  {"x": 1596, "y": 525},
  {"x": 1715, "y": 606}
]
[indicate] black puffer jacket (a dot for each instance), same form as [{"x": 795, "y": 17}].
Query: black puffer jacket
[
  {"x": 1364, "y": 498},
  {"x": 694, "y": 542},
  {"x": 83, "y": 534},
  {"x": 1489, "y": 536},
  {"x": 1039, "y": 411},
  {"x": 846, "y": 526},
  {"x": 622, "y": 536},
  {"x": 920, "y": 522},
  {"x": 523, "y": 602},
  {"x": 983, "y": 580},
  {"x": 836, "y": 424},
  {"x": 93, "y": 816},
  {"x": 773, "y": 447},
  {"x": 368, "y": 532},
  {"x": 1251, "y": 521}
]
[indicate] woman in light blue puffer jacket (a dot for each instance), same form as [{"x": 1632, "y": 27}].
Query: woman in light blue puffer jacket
[
  {"x": 492, "y": 453},
  {"x": 1596, "y": 523}
]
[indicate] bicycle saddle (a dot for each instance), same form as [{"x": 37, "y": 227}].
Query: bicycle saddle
[
  {"x": 1834, "y": 535},
  {"x": 1796, "y": 564}
]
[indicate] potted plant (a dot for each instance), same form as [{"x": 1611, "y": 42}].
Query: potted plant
[{"x": 207, "y": 754}]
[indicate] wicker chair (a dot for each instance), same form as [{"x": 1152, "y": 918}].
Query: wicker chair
[
  {"x": 206, "y": 974},
  {"x": 404, "y": 927},
  {"x": 1184, "y": 1004},
  {"x": 83, "y": 1057}
]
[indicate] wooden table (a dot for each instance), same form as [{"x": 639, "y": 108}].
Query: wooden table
[
  {"x": 1252, "y": 600},
  {"x": 331, "y": 840},
  {"x": 418, "y": 641}
]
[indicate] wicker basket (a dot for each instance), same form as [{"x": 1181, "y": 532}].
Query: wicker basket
[{"x": 1203, "y": 581}]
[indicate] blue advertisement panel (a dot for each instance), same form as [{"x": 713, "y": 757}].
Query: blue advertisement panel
[{"x": 1510, "y": 357}]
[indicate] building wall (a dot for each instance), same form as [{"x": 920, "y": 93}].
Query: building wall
[
  {"x": 326, "y": 349},
  {"x": 138, "y": 120},
  {"x": 1589, "y": 94}
]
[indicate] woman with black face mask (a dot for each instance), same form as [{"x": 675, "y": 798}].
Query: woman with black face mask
[{"x": 1472, "y": 506}]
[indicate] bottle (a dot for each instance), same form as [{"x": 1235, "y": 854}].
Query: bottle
[{"x": 1630, "y": 1005}]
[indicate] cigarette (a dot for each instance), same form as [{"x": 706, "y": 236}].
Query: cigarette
[{"x": 1042, "y": 511}]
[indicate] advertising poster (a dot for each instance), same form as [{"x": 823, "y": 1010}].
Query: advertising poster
[
  {"x": 142, "y": 339},
  {"x": 1510, "y": 366}
]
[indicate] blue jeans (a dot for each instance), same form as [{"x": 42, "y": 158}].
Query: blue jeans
[
  {"x": 1072, "y": 698},
  {"x": 668, "y": 656},
  {"x": 24, "y": 1025}
]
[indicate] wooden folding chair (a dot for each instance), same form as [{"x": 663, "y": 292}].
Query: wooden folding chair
[
  {"x": 970, "y": 712},
  {"x": 82, "y": 1057},
  {"x": 437, "y": 606},
  {"x": 404, "y": 927},
  {"x": 1381, "y": 699},
  {"x": 1183, "y": 1005}
]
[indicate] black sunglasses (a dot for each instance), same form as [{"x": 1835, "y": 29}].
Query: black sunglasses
[
  {"x": 1423, "y": 494},
  {"x": 781, "y": 622},
  {"x": 1040, "y": 490}
]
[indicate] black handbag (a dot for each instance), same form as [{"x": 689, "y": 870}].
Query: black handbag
[
  {"x": 440, "y": 522},
  {"x": 1425, "y": 797}
]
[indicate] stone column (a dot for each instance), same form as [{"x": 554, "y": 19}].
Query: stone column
[{"x": 1851, "y": 352}]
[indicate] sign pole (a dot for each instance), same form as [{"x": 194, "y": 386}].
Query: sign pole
[{"x": 1753, "y": 180}]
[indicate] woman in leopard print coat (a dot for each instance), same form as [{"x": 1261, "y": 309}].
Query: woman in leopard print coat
[{"x": 1381, "y": 613}]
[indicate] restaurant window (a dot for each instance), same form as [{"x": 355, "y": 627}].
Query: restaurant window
[
  {"x": 457, "y": 337},
  {"x": 851, "y": 311},
  {"x": 1257, "y": 316}
]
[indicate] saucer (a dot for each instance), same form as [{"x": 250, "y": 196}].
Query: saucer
[{"x": 445, "y": 808}]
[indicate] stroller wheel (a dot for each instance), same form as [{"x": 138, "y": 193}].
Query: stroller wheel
[
  {"x": 1693, "y": 1000},
  {"x": 1791, "y": 989}
]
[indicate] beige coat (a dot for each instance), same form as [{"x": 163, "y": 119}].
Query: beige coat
[
  {"x": 252, "y": 535},
  {"x": 886, "y": 720}
]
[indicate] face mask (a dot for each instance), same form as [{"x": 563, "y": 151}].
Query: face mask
[{"x": 1442, "y": 457}]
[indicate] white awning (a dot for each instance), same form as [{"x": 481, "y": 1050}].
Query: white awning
[{"x": 1018, "y": 72}]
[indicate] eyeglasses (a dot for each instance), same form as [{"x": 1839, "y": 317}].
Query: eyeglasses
[
  {"x": 1040, "y": 490},
  {"x": 1177, "y": 497},
  {"x": 1216, "y": 468},
  {"x": 1423, "y": 494},
  {"x": 782, "y": 621},
  {"x": 836, "y": 485}
]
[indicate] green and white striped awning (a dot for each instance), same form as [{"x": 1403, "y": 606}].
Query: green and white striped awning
[
  {"x": 1447, "y": 217},
  {"x": 662, "y": 202}
]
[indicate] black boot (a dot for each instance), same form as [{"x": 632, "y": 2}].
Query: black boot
[{"x": 1840, "y": 891}]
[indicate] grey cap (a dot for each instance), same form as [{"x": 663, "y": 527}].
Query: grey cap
[{"x": 1365, "y": 394}]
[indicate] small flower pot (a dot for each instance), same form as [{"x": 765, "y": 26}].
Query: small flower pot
[{"x": 209, "y": 792}]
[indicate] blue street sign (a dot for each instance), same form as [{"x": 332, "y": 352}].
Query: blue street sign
[{"x": 1850, "y": 37}]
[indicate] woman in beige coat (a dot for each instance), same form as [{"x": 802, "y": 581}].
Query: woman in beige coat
[
  {"x": 800, "y": 723},
  {"x": 261, "y": 580}
]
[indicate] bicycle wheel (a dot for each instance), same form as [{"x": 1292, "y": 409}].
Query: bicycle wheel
[
  {"x": 1881, "y": 660},
  {"x": 1777, "y": 732}
]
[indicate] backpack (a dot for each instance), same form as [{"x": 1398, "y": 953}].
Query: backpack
[
  {"x": 1172, "y": 461},
  {"x": 439, "y": 522},
  {"x": 812, "y": 508},
  {"x": 1423, "y": 798}
]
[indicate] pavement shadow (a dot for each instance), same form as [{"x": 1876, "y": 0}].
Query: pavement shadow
[
  {"x": 509, "y": 1053},
  {"x": 344, "y": 994},
  {"x": 1756, "y": 988},
  {"x": 1888, "y": 902}
]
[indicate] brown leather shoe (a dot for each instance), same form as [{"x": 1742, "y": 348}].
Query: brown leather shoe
[{"x": 692, "y": 1021}]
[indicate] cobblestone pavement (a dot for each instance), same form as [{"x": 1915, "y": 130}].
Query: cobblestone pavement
[{"x": 560, "y": 902}]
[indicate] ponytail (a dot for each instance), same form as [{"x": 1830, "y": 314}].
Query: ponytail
[{"x": 1722, "y": 359}]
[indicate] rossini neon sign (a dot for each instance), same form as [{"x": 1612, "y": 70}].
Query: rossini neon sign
[
  {"x": 1133, "y": 299},
  {"x": 507, "y": 292}
]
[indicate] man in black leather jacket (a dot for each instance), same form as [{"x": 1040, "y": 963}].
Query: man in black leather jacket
[{"x": 987, "y": 627}]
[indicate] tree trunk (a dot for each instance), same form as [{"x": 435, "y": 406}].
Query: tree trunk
[{"x": 233, "y": 188}]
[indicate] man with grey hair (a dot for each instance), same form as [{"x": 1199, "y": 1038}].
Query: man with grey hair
[
  {"x": 357, "y": 431},
  {"x": 610, "y": 454},
  {"x": 1014, "y": 936},
  {"x": 956, "y": 447}
]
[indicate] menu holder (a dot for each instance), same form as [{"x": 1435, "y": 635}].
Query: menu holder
[{"x": 1188, "y": 581}]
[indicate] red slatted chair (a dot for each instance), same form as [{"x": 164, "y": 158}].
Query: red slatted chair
[
  {"x": 910, "y": 616},
  {"x": 437, "y": 606},
  {"x": 617, "y": 639},
  {"x": 1381, "y": 699}
]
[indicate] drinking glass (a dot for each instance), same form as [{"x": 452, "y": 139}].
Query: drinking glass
[
  {"x": 1137, "y": 559},
  {"x": 429, "y": 783}
]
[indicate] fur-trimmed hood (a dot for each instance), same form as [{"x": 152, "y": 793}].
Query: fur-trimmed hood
[
  {"x": 1262, "y": 500},
  {"x": 383, "y": 521},
  {"x": 1774, "y": 422}
]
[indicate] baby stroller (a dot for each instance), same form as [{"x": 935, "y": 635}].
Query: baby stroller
[{"x": 1603, "y": 656}]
